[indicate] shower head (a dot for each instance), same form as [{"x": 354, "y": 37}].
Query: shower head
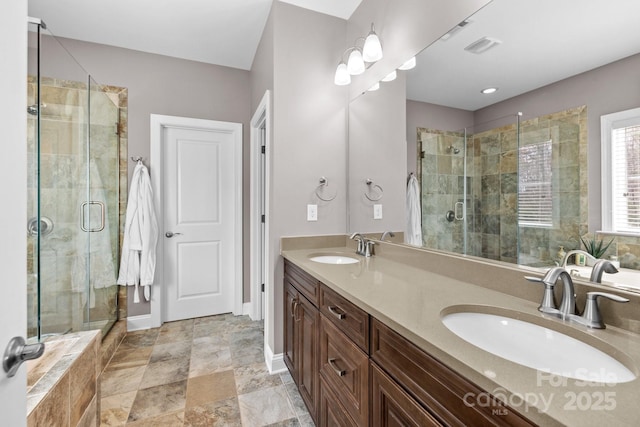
[{"x": 452, "y": 149}]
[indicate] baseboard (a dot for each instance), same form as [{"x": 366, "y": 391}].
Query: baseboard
[
  {"x": 246, "y": 309},
  {"x": 275, "y": 362},
  {"x": 137, "y": 323}
]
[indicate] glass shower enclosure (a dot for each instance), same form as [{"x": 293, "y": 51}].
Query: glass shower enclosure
[
  {"x": 509, "y": 189},
  {"x": 73, "y": 189}
]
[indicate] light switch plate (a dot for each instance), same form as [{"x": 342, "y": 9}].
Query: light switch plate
[
  {"x": 377, "y": 211},
  {"x": 312, "y": 212}
]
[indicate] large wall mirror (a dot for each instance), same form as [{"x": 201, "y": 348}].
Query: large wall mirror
[{"x": 513, "y": 175}]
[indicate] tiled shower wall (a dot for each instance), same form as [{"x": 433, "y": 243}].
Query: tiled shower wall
[{"x": 492, "y": 185}]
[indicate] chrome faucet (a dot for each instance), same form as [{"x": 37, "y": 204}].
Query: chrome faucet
[
  {"x": 361, "y": 242},
  {"x": 602, "y": 266},
  {"x": 591, "y": 260},
  {"x": 387, "y": 233},
  {"x": 548, "y": 305},
  {"x": 567, "y": 311}
]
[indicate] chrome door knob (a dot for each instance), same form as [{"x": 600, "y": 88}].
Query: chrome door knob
[
  {"x": 170, "y": 234},
  {"x": 19, "y": 351}
]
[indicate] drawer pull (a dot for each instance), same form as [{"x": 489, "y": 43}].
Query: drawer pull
[
  {"x": 332, "y": 363},
  {"x": 336, "y": 313},
  {"x": 293, "y": 305}
]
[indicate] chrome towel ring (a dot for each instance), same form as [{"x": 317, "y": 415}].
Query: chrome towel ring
[
  {"x": 370, "y": 187},
  {"x": 324, "y": 182}
]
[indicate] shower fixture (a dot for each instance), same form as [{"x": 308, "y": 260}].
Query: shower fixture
[
  {"x": 452, "y": 149},
  {"x": 33, "y": 109}
]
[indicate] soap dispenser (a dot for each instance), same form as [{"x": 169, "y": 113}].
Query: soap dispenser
[{"x": 560, "y": 254}]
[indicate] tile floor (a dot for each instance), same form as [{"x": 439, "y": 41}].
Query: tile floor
[{"x": 207, "y": 371}]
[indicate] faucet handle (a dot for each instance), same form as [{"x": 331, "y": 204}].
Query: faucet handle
[
  {"x": 591, "y": 316},
  {"x": 548, "y": 304},
  {"x": 368, "y": 247}
]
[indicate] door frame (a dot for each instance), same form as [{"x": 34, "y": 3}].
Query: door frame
[
  {"x": 158, "y": 125},
  {"x": 262, "y": 116}
]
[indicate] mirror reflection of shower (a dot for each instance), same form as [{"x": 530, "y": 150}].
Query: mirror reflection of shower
[{"x": 452, "y": 149}]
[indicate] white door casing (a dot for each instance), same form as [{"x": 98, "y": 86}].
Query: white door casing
[
  {"x": 13, "y": 190},
  {"x": 259, "y": 204},
  {"x": 196, "y": 174}
]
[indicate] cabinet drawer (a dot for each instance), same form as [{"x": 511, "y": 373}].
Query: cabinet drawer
[
  {"x": 392, "y": 406},
  {"x": 331, "y": 412},
  {"x": 345, "y": 369},
  {"x": 350, "y": 319},
  {"x": 304, "y": 283},
  {"x": 435, "y": 386}
]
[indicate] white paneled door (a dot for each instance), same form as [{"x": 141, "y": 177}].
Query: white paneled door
[{"x": 201, "y": 199}]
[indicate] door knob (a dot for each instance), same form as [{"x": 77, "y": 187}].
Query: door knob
[
  {"x": 17, "y": 352},
  {"x": 170, "y": 234}
]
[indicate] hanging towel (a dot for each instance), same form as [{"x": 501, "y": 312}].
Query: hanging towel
[
  {"x": 93, "y": 252},
  {"x": 413, "y": 233},
  {"x": 138, "y": 262}
]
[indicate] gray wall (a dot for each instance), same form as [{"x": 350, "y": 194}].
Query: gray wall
[
  {"x": 309, "y": 135},
  {"x": 164, "y": 85}
]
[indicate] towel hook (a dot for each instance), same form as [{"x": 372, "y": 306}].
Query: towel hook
[
  {"x": 137, "y": 158},
  {"x": 324, "y": 182},
  {"x": 371, "y": 185}
]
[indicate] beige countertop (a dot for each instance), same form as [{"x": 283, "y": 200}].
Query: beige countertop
[{"x": 411, "y": 301}]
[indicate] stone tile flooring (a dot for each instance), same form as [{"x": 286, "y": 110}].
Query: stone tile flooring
[{"x": 208, "y": 371}]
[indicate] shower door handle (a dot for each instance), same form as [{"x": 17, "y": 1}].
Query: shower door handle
[
  {"x": 459, "y": 205},
  {"x": 84, "y": 214}
]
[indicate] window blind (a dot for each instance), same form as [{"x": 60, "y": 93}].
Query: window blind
[
  {"x": 625, "y": 159},
  {"x": 535, "y": 201}
]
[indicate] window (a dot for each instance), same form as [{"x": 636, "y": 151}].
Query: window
[
  {"x": 621, "y": 172},
  {"x": 535, "y": 201}
]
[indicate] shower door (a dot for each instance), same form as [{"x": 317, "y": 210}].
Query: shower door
[{"x": 73, "y": 192}]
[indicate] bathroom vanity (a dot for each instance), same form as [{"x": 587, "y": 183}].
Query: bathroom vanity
[{"x": 366, "y": 344}]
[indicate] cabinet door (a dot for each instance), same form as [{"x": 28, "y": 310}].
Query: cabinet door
[
  {"x": 290, "y": 301},
  {"x": 345, "y": 370},
  {"x": 307, "y": 318},
  {"x": 392, "y": 406},
  {"x": 330, "y": 412}
]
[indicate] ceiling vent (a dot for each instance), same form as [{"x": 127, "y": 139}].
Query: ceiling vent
[
  {"x": 454, "y": 30},
  {"x": 482, "y": 45}
]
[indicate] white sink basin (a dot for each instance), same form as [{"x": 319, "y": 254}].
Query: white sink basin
[
  {"x": 537, "y": 347},
  {"x": 333, "y": 259}
]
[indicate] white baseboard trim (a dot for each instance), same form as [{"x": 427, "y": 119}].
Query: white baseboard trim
[
  {"x": 247, "y": 308},
  {"x": 137, "y": 323},
  {"x": 275, "y": 362}
]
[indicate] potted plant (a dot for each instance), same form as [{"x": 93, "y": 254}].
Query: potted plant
[{"x": 596, "y": 247}]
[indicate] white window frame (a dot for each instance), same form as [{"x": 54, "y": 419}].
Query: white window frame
[
  {"x": 608, "y": 123},
  {"x": 538, "y": 221}
]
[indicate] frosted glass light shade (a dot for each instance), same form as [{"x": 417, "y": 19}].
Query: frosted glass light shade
[
  {"x": 372, "y": 50},
  {"x": 374, "y": 87},
  {"x": 355, "y": 65},
  {"x": 342, "y": 77},
  {"x": 391, "y": 76},
  {"x": 411, "y": 63}
]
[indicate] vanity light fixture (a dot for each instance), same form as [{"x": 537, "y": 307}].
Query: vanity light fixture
[
  {"x": 372, "y": 50},
  {"x": 411, "y": 63},
  {"x": 390, "y": 77},
  {"x": 489, "y": 90},
  {"x": 359, "y": 57},
  {"x": 374, "y": 87},
  {"x": 355, "y": 64},
  {"x": 342, "y": 77}
]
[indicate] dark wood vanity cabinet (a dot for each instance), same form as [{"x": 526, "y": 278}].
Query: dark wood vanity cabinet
[
  {"x": 353, "y": 370},
  {"x": 301, "y": 324}
]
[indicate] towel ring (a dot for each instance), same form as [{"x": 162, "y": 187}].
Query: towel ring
[
  {"x": 324, "y": 183},
  {"x": 371, "y": 185}
]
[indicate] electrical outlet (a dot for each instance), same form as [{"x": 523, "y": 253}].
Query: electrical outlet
[
  {"x": 377, "y": 211},
  {"x": 312, "y": 212}
]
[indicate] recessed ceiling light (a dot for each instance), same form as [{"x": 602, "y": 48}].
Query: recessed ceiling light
[{"x": 489, "y": 90}]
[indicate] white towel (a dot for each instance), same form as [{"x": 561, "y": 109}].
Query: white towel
[
  {"x": 138, "y": 262},
  {"x": 413, "y": 233}
]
